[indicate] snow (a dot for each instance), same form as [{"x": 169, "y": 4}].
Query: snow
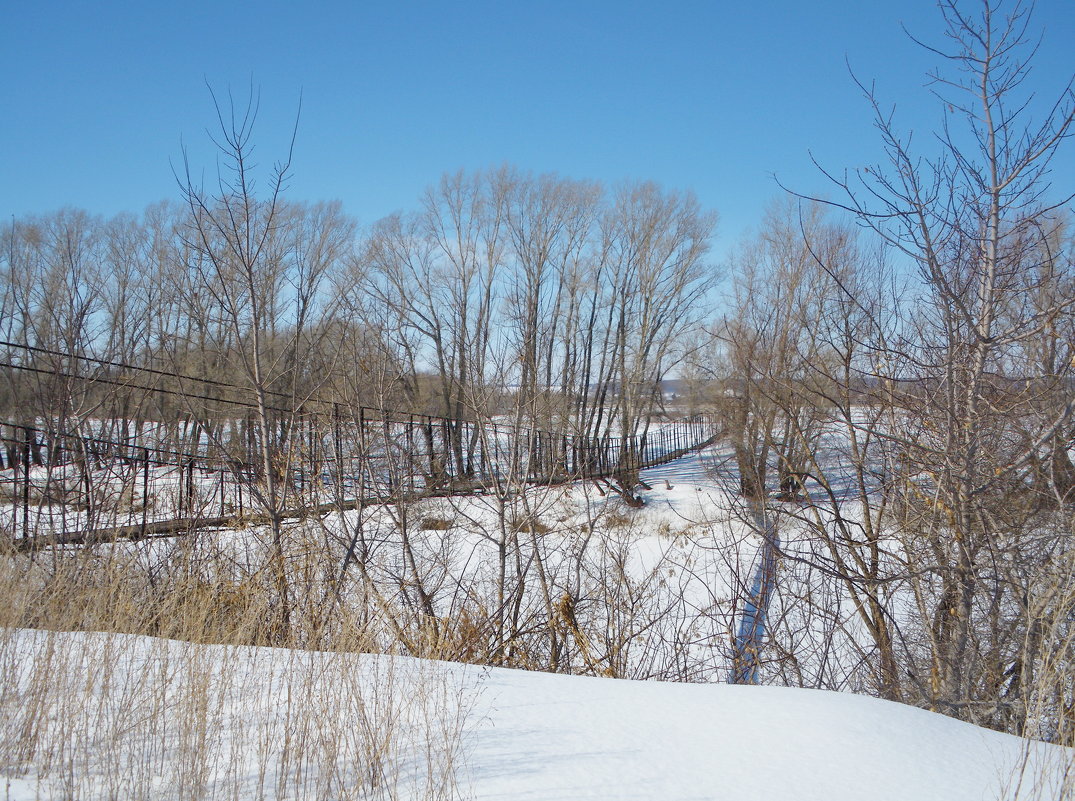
[
  {"x": 561, "y": 737},
  {"x": 547, "y": 737},
  {"x": 539, "y": 736}
]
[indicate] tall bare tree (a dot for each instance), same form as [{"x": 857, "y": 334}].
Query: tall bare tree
[
  {"x": 259, "y": 269},
  {"x": 975, "y": 216}
]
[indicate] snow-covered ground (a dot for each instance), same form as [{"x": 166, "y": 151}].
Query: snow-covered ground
[
  {"x": 563, "y": 737},
  {"x": 91, "y": 715},
  {"x": 512, "y": 735}
]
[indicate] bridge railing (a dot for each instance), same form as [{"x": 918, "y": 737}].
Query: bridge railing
[{"x": 59, "y": 480}]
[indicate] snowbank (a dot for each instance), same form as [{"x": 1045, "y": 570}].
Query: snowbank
[{"x": 525, "y": 735}]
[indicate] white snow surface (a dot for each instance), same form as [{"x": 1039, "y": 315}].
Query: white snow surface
[
  {"x": 545, "y": 737},
  {"x": 562, "y": 737},
  {"x": 549, "y": 737}
]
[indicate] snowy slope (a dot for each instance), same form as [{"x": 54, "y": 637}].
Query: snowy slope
[
  {"x": 525, "y": 735},
  {"x": 563, "y": 737}
]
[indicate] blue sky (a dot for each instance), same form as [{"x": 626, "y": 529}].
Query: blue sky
[{"x": 710, "y": 96}]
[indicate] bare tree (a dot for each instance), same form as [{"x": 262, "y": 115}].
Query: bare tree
[
  {"x": 975, "y": 217},
  {"x": 259, "y": 267}
]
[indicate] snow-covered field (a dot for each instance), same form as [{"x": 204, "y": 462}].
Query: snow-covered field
[
  {"x": 252, "y": 723},
  {"x": 96, "y": 715}
]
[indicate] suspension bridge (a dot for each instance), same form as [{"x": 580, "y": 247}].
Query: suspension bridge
[{"x": 82, "y": 480}]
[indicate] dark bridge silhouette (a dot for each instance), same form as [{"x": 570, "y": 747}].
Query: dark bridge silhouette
[{"x": 108, "y": 479}]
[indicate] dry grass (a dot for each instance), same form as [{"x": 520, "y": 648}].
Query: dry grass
[
  {"x": 1045, "y": 772},
  {"x": 90, "y": 713},
  {"x": 617, "y": 521},
  {"x": 530, "y": 525},
  {"x": 435, "y": 524}
]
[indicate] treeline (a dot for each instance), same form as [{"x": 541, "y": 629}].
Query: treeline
[{"x": 556, "y": 302}]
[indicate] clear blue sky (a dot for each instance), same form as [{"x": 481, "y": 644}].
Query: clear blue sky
[{"x": 711, "y": 96}]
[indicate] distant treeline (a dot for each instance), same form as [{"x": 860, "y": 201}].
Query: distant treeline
[{"x": 558, "y": 303}]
